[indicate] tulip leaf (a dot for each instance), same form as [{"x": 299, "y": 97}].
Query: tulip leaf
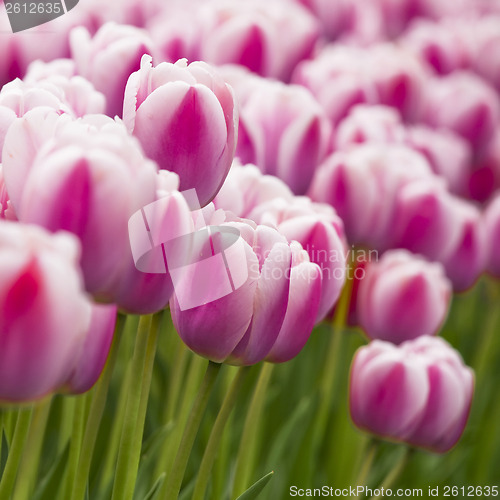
[
  {"x": 254, "y": 491},
  {"x": 50, "y": 484},
  {"x": 155, "y": 490}
]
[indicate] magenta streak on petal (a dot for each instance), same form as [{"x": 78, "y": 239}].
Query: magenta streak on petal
[{"x": 150, "y": 236}]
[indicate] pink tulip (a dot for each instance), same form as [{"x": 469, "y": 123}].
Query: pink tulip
[
  {"x": 402, "y": 297},
  {"x": 94, "y": 350},
  {"x": 108, "y": 59},
  {"x": 246, "y": 187},
  {"x": 492, "y": 224},
  {"x": 464, "y": 104},
  {"x": 369, "y": 124},
  {"x": 284, "y": 132},
  {"x": 466, "y": 260},
  {"x": 45, "y": 313},
  {"x": 448, "y": 154},
  {"x": 270, "y": 315},
  {"x": 362, "y": 185},
  {"x": 88, "y": 180},
  {"x": 425, "y": 220},
  {"x": 186, "y": 119},
  {"x": 320, "y": 232},
  {"x": 342, "y": 76},
  {"x": 442, "y": 45},
  {"x": 269, "y": 38},
  {"x": 6, "y": 211},
  {"x": 419, "y": 392}
]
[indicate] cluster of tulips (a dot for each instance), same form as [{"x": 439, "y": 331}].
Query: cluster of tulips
[{"x": 352, "y": 147}]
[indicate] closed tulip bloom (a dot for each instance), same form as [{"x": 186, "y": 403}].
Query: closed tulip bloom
[
  {"x": 284, "y": 132},
  {"x": 369, "y": 124},
  {"x": 94, "y": 350},
  {"x": 246, "y": 187},
  {"x": 186, "y": 120},
  {"x": 249, "y": 324},
  {"x": 492, "y": 224},
  {"x": 320, "y": 231},
  {"x": 108, "y": 59},
  {"x": 425, "y": 220},
  {"x": 87, "y": 180},
  {"x": 465, "y": 104},
  {"x": 269, "y": 38},
  {"x": 402, "y": 297},
  {"x": 467, "y": 258},
  {"x": 45, "y": 312},
  {"x": 362, "y": 184},
  {"x": 419, "y": 392},
  {"x": 441, "y": 45}
]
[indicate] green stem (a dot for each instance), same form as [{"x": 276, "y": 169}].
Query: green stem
[
  {"x": 176, "y": 380},
  {"x": 394, "y": 473},
  {"x": 248, "y": 444},
  {"x": 124, "y": 483},
  {"x": 174, "y": 480},
  {"x": 367, "y": 463},
  {"x": 15, "y": 452},
  {"x": 80, "y": 411},
  {"x": 216, "y": 434},
  {"x": 66, "y": 425},
  {"x": 28, "y": 469},
  {"x": 197, "y": 367},
  {"x": 95, "y": 414}
]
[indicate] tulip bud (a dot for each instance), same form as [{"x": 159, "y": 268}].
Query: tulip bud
[
  {"x": 320, "y": 232},
  {"x": 269, "y": 38},
  {"x": 244, "y": 326},
  {"x": 466, "y": 260},
  {"x": 186, "y": 119},
  {"x": 246, "y": 187},
  {"x": 362, "y": 185},
  {"x": 465, "y": 104},
  {"x": 402, "y": 297},
  {"x": 284, "y": 132},
  {"x": 94, "y": 350},
  {"x": 425, "y": 220},
  {"x": 492, "y": 224},
  {"x": 419, "y": 392},
  {"x": 45, "y": 313},
  {"x": 88, "y": 180},
  {"x": 108, "y": 59}
]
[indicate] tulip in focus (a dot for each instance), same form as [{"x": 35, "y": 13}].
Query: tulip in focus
[
  {"x": 186, "y": 120},
  {"x": 419, "y": 392},
  {"x": 269, "y": 317},
  {"x": 45, "y": 313},
  {"x": 402, "y": 297}
]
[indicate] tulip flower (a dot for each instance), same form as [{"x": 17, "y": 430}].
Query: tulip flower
[
  {"x": 108, "y": 59},
  {"x": 465, "y": 104},
  {"x": 425, "y": 220},
  {"x": 402, "y": 297},
  {"x": 467, "y": 258},
  {"x": 246, "y": 187},
  {"x": 270, "y": 315},
  {"x": 88, "y": 180},
  {"x": 419, "y": 392},
  {"x": 268, "y": 38},
  {"x": 284, "y": 132},
  {"x": 342, "y": 76},
  {"x": 45, "y": 312},
  {"x": 492, "y": 224},
  {"x": 320, "y": 232},
  {"x": 362, "y": 184},
  {"x": 186, "y": 120},
  {"x": 94, "y": 350}
]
